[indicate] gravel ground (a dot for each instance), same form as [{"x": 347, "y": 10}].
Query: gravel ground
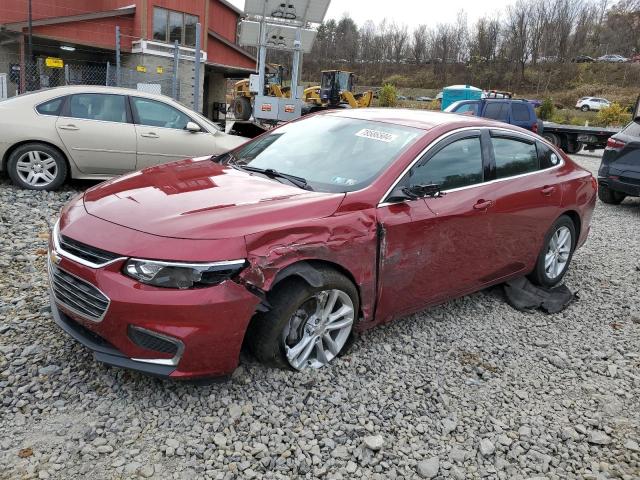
[{"x": 471, "y": 389}]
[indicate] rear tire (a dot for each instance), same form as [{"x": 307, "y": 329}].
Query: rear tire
[
  {"x": 573, "y": 147},
  {"x": 606, "y": 195},
  {"x": 584, "y": 108},
  {"x": 274, "y": 334},
  {"x": 556, "y": 254},
  {"x": 552, "y": 138},
  {"x": 37, "y": 166},
  {"x": 242, "y": 108}
]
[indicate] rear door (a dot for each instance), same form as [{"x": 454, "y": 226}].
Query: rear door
[
  {"x": 162, "y": 134},
  {"x": 528, "y": 198},
  {"x": 97, "y": 131}
]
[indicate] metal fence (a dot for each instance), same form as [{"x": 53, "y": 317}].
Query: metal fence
[{"x": 24, "y": 76}]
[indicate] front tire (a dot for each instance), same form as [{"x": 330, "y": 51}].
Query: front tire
[
  {"x": 306, "y": 327},
  {"x": 584, "y": 108},
  {"x": 606, "y": 195},
  {"x": 37, "y": 166},
  {"x": 556, "y": 254}
]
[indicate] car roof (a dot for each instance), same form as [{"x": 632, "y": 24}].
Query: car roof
[
  {"x": 422, "y": 119},
  {"x": 74, "y": 89}
]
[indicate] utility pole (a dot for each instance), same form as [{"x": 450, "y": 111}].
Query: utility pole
[
  {"x": 30, "y": 34},
  {"x": 117, "y": 55}
]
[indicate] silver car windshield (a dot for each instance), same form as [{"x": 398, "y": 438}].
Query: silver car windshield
[{"x": 333, "y": 154}]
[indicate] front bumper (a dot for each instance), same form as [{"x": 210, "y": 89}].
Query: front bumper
[{"x": 208, "y": 324}]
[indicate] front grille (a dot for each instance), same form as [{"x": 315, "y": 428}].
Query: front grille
[
  {"x": 86, "y": 252},
  {"x": 77, "y": 295},
  {"x": 149, "y": 341}
]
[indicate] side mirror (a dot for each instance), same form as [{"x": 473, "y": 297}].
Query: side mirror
[
  {"x": 413, "y": 192},
  {"x": 192, "y": 127}
]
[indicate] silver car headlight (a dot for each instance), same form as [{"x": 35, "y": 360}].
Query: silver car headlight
[{"x": 182, "y": 275}]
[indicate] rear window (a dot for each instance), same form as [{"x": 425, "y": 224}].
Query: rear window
[
  {"x": 548, "y": 158},
  {"x": 52, "y": 107},
  {"x": 497, "y": 111},
  {"x": 633, "y": 129},
  {"x": 520, "y": 112}
]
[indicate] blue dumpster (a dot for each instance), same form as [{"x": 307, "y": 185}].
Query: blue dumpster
[{"x": 455, "y": 93}]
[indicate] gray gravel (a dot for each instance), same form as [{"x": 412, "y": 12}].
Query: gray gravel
[{"x": 471, "y": 389}]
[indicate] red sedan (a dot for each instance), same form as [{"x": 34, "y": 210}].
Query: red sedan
[{"x": 330, "y": 224}]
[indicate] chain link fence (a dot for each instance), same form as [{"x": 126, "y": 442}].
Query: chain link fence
[{"x": 22, "y": 77}]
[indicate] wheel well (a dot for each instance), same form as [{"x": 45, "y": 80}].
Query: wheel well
[
  {"x": 12, "y": 148},
  {"x": 575, "y": 218},
  {"x": 302, "y": 268}
]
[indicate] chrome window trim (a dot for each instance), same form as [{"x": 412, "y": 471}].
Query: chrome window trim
[
  {"x": 55, "y": 234},
  {"x": 72, "y": 309},
  {"x": 162, "y": 361},
  {"x": 382, "y": 203}
]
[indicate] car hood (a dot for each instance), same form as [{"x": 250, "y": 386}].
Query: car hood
[{"x": 200, "y": 199}]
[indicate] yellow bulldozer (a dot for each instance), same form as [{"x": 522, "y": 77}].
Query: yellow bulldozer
[
  {"x": 335, "y": 91},
  {"x": 273, "y": 87}
]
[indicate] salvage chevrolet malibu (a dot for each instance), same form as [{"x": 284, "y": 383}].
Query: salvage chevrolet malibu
[{"x": 322, "y": 227}]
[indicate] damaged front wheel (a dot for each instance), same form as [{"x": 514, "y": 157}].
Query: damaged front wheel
[{"x": 307, "y": 327}]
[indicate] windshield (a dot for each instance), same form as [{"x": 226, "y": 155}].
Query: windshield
[{"x": 332, "y": 154}]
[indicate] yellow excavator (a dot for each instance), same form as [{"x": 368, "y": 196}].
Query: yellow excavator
[
  {"x": 335, "y": 91},
  {"x": 273, "y": 87}
]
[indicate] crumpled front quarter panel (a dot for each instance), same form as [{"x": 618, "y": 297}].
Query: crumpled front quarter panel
[{"x": 346, "y": 239}]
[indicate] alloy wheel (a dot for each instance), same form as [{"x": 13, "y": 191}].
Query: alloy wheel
[
  {"x": 558, "y": 252},
  {"x": 319, "y": 329},
  {"x": 37, "y": 168}
]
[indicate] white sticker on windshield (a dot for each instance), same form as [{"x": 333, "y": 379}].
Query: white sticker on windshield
[{"x": 376, "y": 135}]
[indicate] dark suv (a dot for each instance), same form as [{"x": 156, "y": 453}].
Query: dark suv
[
  {"x": 619, "y": 174},
  {"x": 515, "y": 112}
]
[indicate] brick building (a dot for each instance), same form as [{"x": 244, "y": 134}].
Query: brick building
[{"x": 83, "y": 33}]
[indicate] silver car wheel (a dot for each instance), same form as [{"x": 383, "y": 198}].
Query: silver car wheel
[
  {"x": 319, "y": 329},
  {"x": 37, "y": 168},
  {"x": 558, "y": 252}
]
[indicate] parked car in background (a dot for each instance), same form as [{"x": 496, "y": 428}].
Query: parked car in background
[
  {"x": 331, "y": 224},
  {"x": 592, "y": 103},
  {"x": 613, "y": 58},
  {"x": 619, "y": 173},
  {"x": 93, "y": 132},
  {"x": 515, "y": 112},
  {"x": 583, "y": 59},
  {"x": 401, "y": 97},
  {"x": 424, "y": 99}
]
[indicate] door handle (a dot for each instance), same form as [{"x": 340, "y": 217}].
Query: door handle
[
  {"x": 150, "y": 135},
  {"x": 68, "y": 127},
  {"x": 483, "y": 204},
  {"x": 547, "y": 190}
]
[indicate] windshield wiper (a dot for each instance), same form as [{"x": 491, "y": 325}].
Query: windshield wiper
[{"x": 272, "y": 173}]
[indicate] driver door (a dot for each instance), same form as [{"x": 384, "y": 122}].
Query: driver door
[{"x": 162, "y": 135}]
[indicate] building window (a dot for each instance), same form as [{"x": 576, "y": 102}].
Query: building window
[{"x": 169, "y": 26}]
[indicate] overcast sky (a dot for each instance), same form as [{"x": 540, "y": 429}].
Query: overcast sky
[{"x": 410, "y": 12}]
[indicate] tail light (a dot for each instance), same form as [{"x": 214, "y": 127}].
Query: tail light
[
  {"x": 534, "y": 129},
  {"x": 615, "y": 144}
]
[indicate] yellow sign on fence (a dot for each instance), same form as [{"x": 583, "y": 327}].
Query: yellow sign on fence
[
  {"x": 141, "y": 69},
  {"x": 53, "y": 62},
  {"x": 160, "y": 69}
]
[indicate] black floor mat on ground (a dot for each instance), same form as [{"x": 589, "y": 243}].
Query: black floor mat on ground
[{"x": 523, "y": 295}]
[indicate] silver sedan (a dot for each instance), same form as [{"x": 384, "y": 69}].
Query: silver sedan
[{"x": 96, "y": 133}]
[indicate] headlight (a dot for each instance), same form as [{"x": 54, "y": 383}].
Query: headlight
[{"x": 182, "y": 275}]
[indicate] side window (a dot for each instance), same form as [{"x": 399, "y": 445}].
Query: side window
[
  {"x": 468, "y": 109},
  {"x": 52, "y": 107},
  {"x": 514, "y": 157},
  {"x": 497, "y": 111},
  {"x": 547, "y": 157},
  {"x": 97, "y": 106},
  {"x": 158, "y": 114},
  {"x": 520, "y": 112},
  {"x": 459, "y": 164}
]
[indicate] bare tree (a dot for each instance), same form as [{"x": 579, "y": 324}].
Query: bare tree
[{"x": 419, "y": 44}]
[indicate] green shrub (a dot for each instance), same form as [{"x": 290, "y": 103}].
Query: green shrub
[
  {"x": 388, "y": 96},
  {"x": 614, "y": 114},
  {"x": 546, "y": 110}
]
